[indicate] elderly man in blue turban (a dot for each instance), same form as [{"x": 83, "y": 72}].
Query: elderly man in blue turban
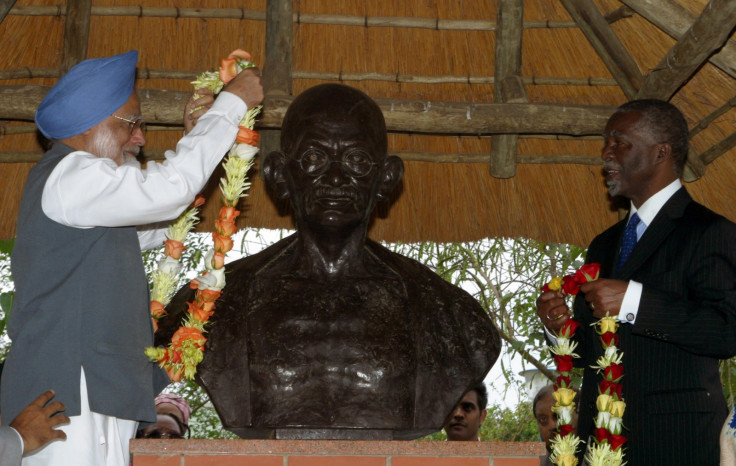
[{"x": 81, "y": 319}]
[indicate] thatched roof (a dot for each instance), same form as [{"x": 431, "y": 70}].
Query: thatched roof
[{"x": 496, "y": 107}]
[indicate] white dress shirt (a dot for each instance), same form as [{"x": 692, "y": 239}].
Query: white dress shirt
[
  {"x": 84, "y": 191},
  {"x": 647, "y": 212}
]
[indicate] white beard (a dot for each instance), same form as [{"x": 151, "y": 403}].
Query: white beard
[{"x": 104, "y": 146}]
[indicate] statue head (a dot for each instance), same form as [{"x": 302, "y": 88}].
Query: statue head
[{"x": 333, "y": 164}]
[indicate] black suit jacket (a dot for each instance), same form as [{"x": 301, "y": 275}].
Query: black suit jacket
[{"x": 686, "y": 262}]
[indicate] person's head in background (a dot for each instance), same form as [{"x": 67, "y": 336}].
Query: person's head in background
[
  {"x": 546, "y": 419},
  {"x": 173, "y": 404},
  {"x": 172, "y": 419},
  {"x": 468, "y": 415}
]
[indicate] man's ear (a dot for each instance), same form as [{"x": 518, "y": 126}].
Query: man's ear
[
  {"x": 483, "y": 416},
  {"x": 393, "y": 170},
  {"x": 274, "y": 168},
  {"x": 664, "y": 152}
]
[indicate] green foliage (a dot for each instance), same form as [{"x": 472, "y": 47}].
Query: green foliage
[{"x": 505, "y": 276}]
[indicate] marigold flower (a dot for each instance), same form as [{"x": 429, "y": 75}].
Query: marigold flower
[{"x": 555, "y": 284}]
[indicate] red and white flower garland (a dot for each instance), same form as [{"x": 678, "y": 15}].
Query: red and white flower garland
[
  {"x": 608, "y": 439},
  {"x": 185, "y": 352}
]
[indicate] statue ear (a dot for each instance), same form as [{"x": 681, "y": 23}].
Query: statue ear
[
  {"x": 274, "y": 173},
  {"x": 393, "y": 170}
]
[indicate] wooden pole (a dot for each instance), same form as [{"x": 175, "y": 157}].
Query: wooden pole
[{"x": 76, "y": 32}]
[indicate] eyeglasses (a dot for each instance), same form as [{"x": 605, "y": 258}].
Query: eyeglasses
[
  {"x": 356, "y": 162},
  {"x": 138, "y": 123},
  {"x": 162, "y": 434}
]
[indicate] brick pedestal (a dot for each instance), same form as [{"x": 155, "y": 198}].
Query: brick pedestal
[{"x": 332, "y": 453}]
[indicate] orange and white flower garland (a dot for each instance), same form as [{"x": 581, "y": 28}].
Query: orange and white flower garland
[{"x": 185, "y": 352}]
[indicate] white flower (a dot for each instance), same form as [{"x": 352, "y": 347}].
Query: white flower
[
  {"x": 565, "y": 347},
  {"x": 169, "y": 266},
  {"x": 615, "y": 425},
  {"x": 213, "y": 280},
  {"x": 564, "y": 414},
  {"x": 243, "y": 151},
  {"x": 603, "y": 419},
  {"x": 610, "y": 353}
]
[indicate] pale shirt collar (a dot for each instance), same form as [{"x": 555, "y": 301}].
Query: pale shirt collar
[{"x": 653, "y": 205}]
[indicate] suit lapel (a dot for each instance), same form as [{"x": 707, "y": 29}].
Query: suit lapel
[{"x": 656, "y": 233}]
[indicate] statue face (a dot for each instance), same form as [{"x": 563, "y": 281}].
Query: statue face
[{"x": 333, "y": 174}]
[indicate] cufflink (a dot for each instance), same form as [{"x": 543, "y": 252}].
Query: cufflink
[{"x": 630, "y": 316}]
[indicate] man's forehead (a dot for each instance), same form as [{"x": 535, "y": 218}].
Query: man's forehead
[{"x": 470, "y": 397}]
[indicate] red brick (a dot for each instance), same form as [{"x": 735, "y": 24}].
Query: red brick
[
  {"x": 439, "y": 461},
  {"x": 156, "y": 460},
  {"x": 233, "y": 460},
  {"x": 516, "y": 462},
  {"x": 336, "y": 460}
]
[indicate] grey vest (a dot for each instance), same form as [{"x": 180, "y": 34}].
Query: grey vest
[{"x": 81, "y": 301}]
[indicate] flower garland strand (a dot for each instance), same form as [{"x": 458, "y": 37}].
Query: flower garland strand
[
  {"x": 610, "y": 404},
  {"x": 565, "y": 442},
  {"x": 185, "y": 352},
  {"x": 165, "y": 279}
]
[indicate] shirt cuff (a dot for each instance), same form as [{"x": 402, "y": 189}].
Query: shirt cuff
[
  {"x": 551, "y": 336},
  {"x": 630, "y": 304},
  {"x": 20, "y": 437}
]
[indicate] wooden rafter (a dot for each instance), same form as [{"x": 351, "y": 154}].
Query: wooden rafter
[
  {"x": 719, "y": 149},
  {"x": 279, "y": 62},
  {"x": 605, "y": 42},
  {"x": 76, "y": 32},
  {"x": 675, "y": 20},
  {"x": 708, "y": 33},
  {"x": 402, "y": 115},
  {"x": 508, "y": 87},
  {"x": 5, "y": 6}
]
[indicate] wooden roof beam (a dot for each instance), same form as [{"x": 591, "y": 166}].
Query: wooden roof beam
[
  {"x": 5, "y": 6},
  {"x": 166, "y": 107},
  {"x": 277, "y": 69},
  {"x": 617, "y": 59},
  {"x": 76, "y": 32},
  {"x": 509, "y": 87},
  {"x": 674, "y": 20},
  {"x": 708, "y": 33}
]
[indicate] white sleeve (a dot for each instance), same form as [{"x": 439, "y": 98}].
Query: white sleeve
[
  {"x": 152, "y": 235},
  {"x": 86, "y": 191},
  {"x": 630, "y": 303}
]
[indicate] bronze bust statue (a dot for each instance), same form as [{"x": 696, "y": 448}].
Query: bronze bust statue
[{"x": 327, "y": 334}]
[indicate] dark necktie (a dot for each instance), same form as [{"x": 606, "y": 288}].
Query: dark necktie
[{"x": 629, "y": 241}]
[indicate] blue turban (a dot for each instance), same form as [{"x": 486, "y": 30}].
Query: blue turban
[{"x": 90, "y": 92}]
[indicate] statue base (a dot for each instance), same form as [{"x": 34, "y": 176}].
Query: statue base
[{"x": 145, "y": 452}]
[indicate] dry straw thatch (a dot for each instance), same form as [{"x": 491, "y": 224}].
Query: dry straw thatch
[{"x": 497, "y": 116}]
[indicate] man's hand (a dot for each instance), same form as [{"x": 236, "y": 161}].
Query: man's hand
[
  {"x": 200, "y": 98},
  {"x": 37, "y": 421},
  {"x": 247, "y": 86},
  {"x": 604, "y": 296},
  {"x": 553, "y": 311}
]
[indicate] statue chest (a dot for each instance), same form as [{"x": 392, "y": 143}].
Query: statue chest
[{"x": 347, "y": 345}]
